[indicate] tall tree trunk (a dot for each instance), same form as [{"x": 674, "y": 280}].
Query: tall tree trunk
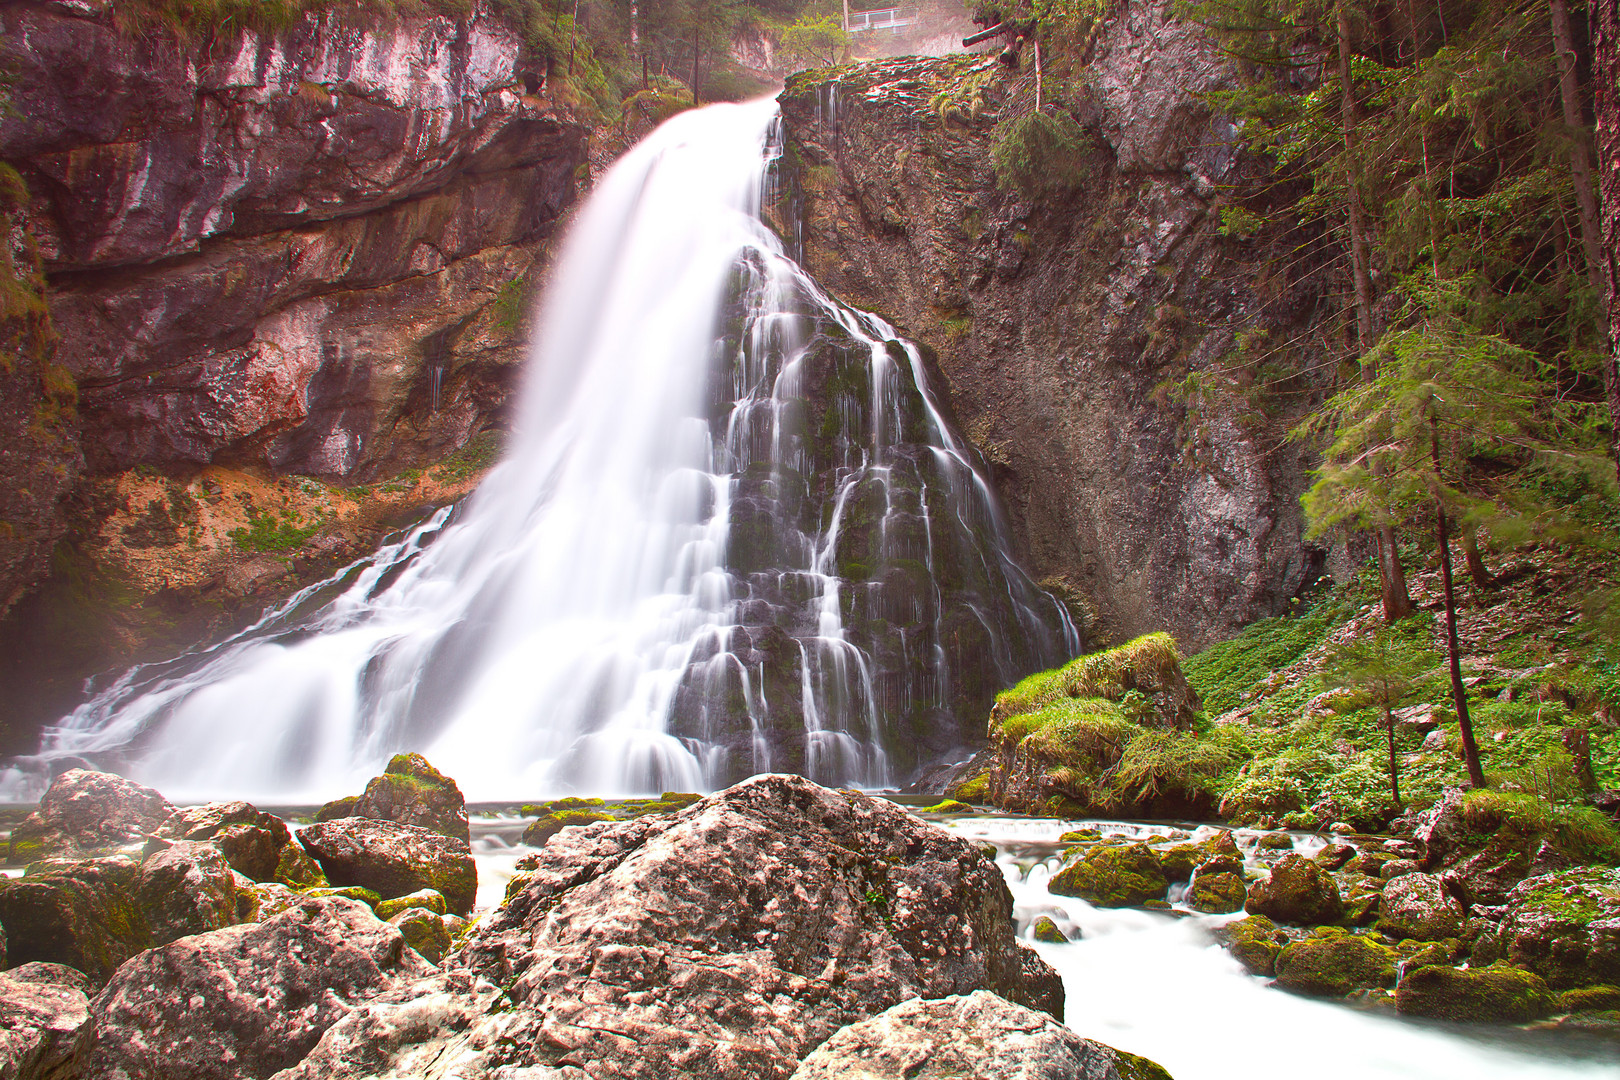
[
  {"x": 1397, "y": 601},
  {"x": 697, "y": 29},
  {"x": 1459, "y": 697},
  {"x": 1606, "y": 65},
  {"x": 635, "y": 33},
  {"x": 1586, "y": 200}
]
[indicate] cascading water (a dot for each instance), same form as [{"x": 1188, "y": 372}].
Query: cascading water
[{"x": 734, "y": 532}]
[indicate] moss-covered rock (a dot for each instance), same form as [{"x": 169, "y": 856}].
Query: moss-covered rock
[
  {"x": 1500, "y": 993},
  {"x": 338, "y": 808},
  {"x": 1589, "y": 999},
  {"x": 424, "y": 931},
  {"x": 1178, "y": 861},
  {"x": 393, "y": 858},
  {"x": 369, "y": 897},
  {"x": 540, "y": 831},
  {"x": 1297, "y": 891},
  {"x": 1333, "y": 962},
  {"x": 295, "y": 868},
  {"x": 185, "y": 888},
  {"x": 1275, "y": 842},
  {"x": 250, "y": 850},
  {"x": 1565, "y": 927},
  {"x": 949, "y": 806},
  {"x": 1045, "y": 929},
  {"x": 1217, "y": 893},
  {"x": 426, "y": 899},
  {"x": 82, "y": 914},
  {"x": 412, "y": 792},
  {"x": 1254, "y": 942},
  {"x": 1125, "y": 875},
  {"x": 1417, "y": 906},
  {"x": 1334, "y": 856}
]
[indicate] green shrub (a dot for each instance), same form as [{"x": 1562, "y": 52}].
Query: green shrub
[{"x": 1041, "y": 154}]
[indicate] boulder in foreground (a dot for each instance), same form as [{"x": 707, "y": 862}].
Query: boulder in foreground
[
  {"x": 247, "y": 1000},
  {"x": 43, "y": 1008},
  {"x": 727, "y": 941},
  {"x": 976, "y": 1035},
  {"x": 410, "y": 791}
]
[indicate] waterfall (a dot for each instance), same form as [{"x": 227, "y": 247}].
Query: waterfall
[{"x": 734, "y": 531}]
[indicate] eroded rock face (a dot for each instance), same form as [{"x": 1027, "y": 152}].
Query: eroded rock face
[
  {"x": 979, "y": 1035},
  {"x": 43, "y": 1008},
  {"x": 247, "y": 1000},
  {"x": 85, "y": 812},
  {"x": 1055, "y": 319},
  {"x": 282, "y": 248},
  {"x": 393, "y": 859}
]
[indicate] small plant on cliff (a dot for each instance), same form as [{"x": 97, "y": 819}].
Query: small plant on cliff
[
  {"x": 268, "y": 532},
  {"x": 1041, "y": 154}
]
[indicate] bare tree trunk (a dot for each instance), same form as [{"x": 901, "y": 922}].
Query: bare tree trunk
[
  {"x": 635, "y": 32},
  {"x": 1459, "y": 697},
  {"x": 1394, "y": 768},
  {"x": 1471, "y": 558},
  {"x": 1037, "y": 74},
  {"x": 1397, "y": 601},
  {"x": 1586, "y": 198},
  {"x": 697, "y": 29},
  {"x": 1606, "y": 66}
]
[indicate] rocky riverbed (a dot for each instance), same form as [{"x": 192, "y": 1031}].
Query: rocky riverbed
[{"x": 775, "y": 929}]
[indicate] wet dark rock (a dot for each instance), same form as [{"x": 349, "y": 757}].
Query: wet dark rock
[
  {"x": 247, "y": 1000},
  {"x": 412, "y": 792},
  {"x": 978, "y": 1035},
  {"x": 1418, "y": 906},
  {"x": 250, "y": 850},
  {"x": 1109, "y": 875},
  {"x": 82, "y": 914},
  {"x": 1496, "y": 994},
  {"x": 393, "y": 859},
  {"x": 1297, "y": 891},
  {"x": 186, "y": 888},
  {"x": 43, "y": 1009},
  {"x": 85, "y": 812},
  {"x": 1332, "y": 963}
]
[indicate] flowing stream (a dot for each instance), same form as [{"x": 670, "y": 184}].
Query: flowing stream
[
  {"x": 734, "y": 532},
  {"x": 1157, "y": 984}
]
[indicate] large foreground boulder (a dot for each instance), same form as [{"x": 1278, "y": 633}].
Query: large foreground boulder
[
  {"x": 393, "y": 859},
  {"x": 247, "y": 1000},
  {"x": 727, "y": 940},
  {"x": 43, "y": 1008},
  {"x": 251, "y": 840},
  {"x": 87, "y": 812},
  {"x": 977, "y": 1035},
  {"x": 1497, "y": 994},
  {"x": 411, "y": 792},
  {"x": 1418, "y": 906}
]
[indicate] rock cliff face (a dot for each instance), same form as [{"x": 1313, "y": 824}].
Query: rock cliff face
[
  {"x": 302, "y": 251},
  {"x": 1062, "y": 321}
]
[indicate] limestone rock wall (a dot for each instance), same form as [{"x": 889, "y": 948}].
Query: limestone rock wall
[
  {"x": 1062, "y": 322},
  {"x": 302, "y": 251}
]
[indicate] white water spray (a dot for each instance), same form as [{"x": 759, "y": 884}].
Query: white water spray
[{"x": 581, "y": 623}]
